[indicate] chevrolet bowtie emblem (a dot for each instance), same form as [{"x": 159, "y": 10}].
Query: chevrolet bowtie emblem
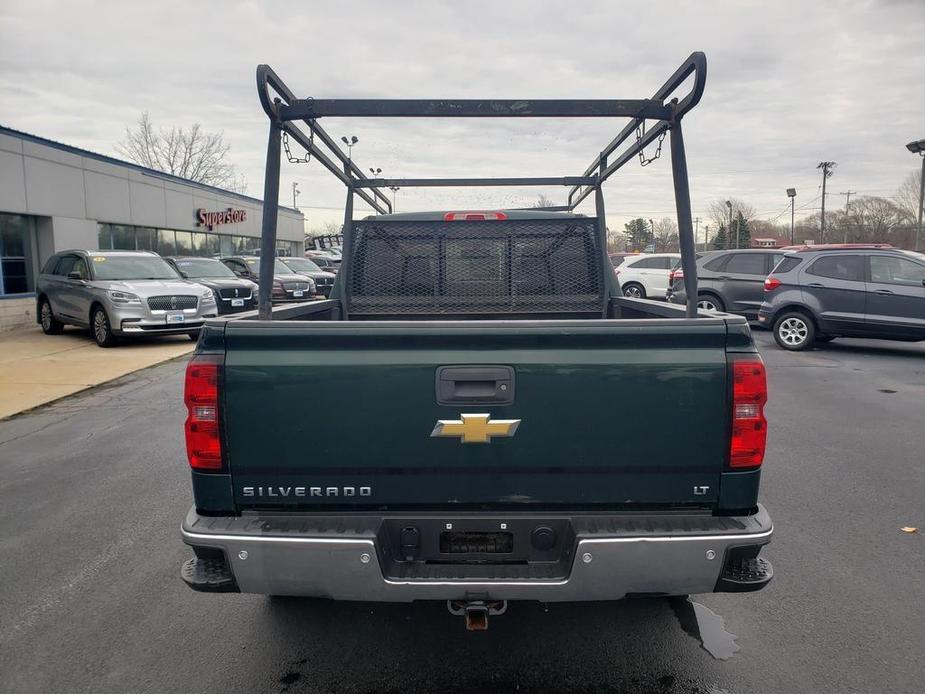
[{"x": 475, "y": 428}]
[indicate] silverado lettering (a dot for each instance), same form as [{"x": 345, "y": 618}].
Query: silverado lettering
[{"x": 306, "y": 491}]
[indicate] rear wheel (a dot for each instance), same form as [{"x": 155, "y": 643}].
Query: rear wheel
[
  {"x": 794, "y": 331},
  {"x": 101, "y": 327},
  {"x": 708, "y": 302},
  {"x": 50, "y": 324},
  {"x": 634, "y": 290}
]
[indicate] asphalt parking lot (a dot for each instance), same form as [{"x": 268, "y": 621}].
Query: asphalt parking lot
[{"x": 93, "y": 487}]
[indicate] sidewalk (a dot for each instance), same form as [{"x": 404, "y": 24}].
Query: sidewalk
[{"x": 36, "y": 368}]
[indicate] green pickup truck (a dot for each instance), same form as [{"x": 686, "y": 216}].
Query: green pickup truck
[{"x": 470, "y": 448}]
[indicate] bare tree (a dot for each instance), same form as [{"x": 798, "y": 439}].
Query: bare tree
[
  {"x": 871, "y": 219},
  {"x": 875, "y": 220},
  {"x": 543, "y": 201},
  {"x": 666, "y": 234},
  {"x": 616, "y": 241},
  {"x": 907, "y": 196},
  {"x": 192, "y": 154},
  {"x": 719, "y": 211}
]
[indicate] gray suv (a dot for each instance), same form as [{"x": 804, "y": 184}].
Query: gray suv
[
  {"x": 116, "y": 293},
  {"x": 731, "y": 281},
  {"x": 815, "y": 295}
]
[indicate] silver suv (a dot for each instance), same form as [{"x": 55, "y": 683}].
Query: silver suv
[{"x": 116, "y": 293}]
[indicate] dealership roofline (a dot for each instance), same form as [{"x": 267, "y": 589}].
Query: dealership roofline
[{"x": 12, "y": 132}]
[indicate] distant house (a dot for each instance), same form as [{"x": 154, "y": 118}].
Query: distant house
[{"x": 770, "y": 242}]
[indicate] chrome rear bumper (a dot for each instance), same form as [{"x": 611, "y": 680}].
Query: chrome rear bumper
[{"x": 344, "y": 561}]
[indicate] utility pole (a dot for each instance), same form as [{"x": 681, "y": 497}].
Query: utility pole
[
  {"x": 652, "y": 231},
  {"x": 706, "y": 235},
  {"x": 827, "y": 172},
  {"x": 696, "y": 230},
  {"x": 847, "y": 195},
  {"x": 791, "y": 193},
  {"x": 295, "y": 192},
  {"x": 729, "y": 226}
]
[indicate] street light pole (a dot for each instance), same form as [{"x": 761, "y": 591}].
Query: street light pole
[
  {"x": 792, "y": 194},
  {"x": 729, "y": 226},
  {"x": 295, "y": 192},
  {"x": 918, "y": 147},
  {"x": 394, "y": 190}
]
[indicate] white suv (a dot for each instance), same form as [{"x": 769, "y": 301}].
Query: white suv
[{"x": 646, "y": 276}]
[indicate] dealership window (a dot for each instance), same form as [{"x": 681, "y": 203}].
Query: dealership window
[
  {"x": 104, "y": 237},
  {"x": 145, "y": 239},
  {"x": 184, "y": 243},
  {"x": 123, "y": 237},
  {"x": 226, "y": 245},
  {"x": 171, "y": 242},
  {"x": 166, "y": 242},
  {"x": 16, "y": 234},
  {"x": 198, "y": 246}
]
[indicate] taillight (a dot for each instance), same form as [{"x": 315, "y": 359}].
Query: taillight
[
  {"x": 749, "y": 427},
  {"x": 472, "y": 216},
  {"x": 771, "y": 283},
  {"x": 675, "y": 275},
  {"x": 203, "y": 445}
]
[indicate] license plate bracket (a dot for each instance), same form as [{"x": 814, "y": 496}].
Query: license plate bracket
[
  {"x": 176, "y": 318},
  {"x": 237, "y": 302}
]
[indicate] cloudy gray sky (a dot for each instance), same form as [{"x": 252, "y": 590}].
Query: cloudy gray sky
[{"x": 789, "y": 84}]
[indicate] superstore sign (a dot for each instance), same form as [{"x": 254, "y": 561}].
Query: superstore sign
[{"x": 210, "y": 220}]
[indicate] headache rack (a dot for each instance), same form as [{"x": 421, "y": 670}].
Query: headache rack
[{"x": 551, "y": 265}]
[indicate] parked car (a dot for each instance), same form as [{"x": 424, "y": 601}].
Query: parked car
[
  {"x": 287, "y": 286},
  {"x": 324, "y": 281},
  {"x": 817, "y": 295},
  {"x": 730, "y": 281},
  {"x": 646, "y": 275},
  {"x": 232, "y": 294},
  {"x": 119, "y": 293},
  {"x": 325, "y": 261}
]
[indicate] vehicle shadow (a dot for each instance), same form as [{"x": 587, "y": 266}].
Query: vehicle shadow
[
  {"x": 906, "y": 350},
  {"x": 131, "y": 341},
  {"x": 628, "y": 646}
]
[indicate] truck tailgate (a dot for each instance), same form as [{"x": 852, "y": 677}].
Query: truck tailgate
[{"x": 611, "y": 412}]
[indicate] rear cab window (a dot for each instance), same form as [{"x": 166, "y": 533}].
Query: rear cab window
[{"x": 839, "y": 267}]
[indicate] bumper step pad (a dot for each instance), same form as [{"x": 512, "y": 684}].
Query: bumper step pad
[
  {"x": 744, "y": 575},
  {"x": 208, "y": 575}
]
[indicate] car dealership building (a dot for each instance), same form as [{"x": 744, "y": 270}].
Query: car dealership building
[{"x": 55, "y": 197}]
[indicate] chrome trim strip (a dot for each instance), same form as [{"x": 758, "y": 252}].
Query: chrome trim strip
[
  {"x": 273, "y": 538},
  {"x": 349, "y": 541}
]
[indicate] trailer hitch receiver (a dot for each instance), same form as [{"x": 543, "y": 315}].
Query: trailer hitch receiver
[{"x": 476, "y": 612}]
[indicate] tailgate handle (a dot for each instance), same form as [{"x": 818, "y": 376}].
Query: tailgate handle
[{"x": 475, "y": 385}]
